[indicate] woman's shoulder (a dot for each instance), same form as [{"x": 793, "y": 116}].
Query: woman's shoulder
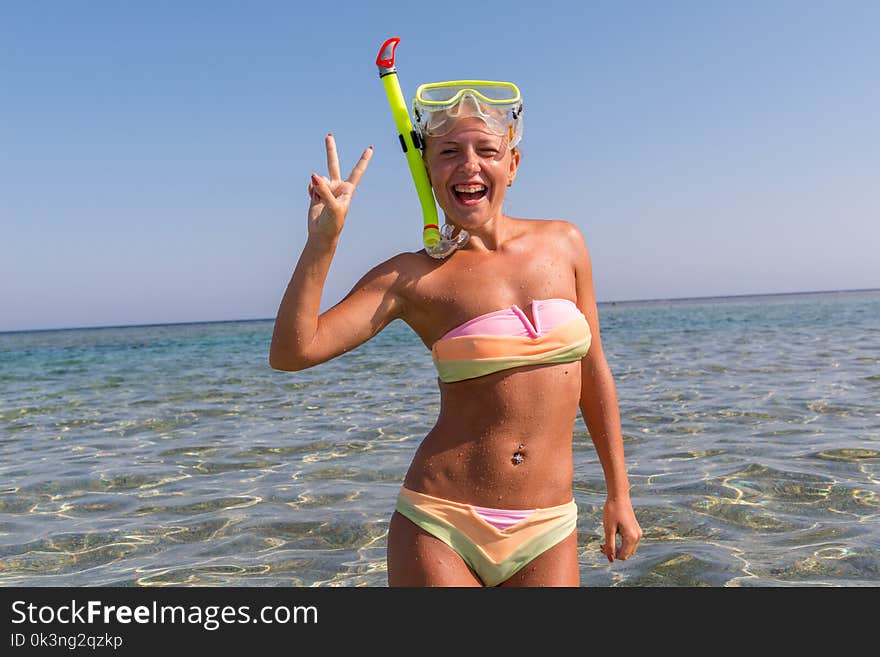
[
  {"x": 556, "y": 226},
  {"x": 394, "y": 273},
  {"x": 561, "y": 233},
  {"x": 405, "y": 265}
]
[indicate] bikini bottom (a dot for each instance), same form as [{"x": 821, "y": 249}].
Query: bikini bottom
[{"x": 495, "y": 543}]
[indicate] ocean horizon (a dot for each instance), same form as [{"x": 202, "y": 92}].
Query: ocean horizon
[{"x": 613, "y": 302}]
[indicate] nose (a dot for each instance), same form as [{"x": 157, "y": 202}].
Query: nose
[{"x": 471, "y": 162}]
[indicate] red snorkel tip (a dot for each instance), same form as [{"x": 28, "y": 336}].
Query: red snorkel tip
[{"x": 385, "y": 58}]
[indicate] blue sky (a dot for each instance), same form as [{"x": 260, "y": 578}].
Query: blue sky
[{"x": 154, "y": 156}]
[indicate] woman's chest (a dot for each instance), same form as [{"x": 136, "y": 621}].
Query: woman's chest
[{"x": 452, "y": 295}]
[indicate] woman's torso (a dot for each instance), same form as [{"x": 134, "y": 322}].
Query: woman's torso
[{"x": 501, "y": 440}]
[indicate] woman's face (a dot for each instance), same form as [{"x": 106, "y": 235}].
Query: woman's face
[{"x": 470, "y": 168}]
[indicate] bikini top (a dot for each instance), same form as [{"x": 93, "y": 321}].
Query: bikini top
[{"x": 505, "y": 338}]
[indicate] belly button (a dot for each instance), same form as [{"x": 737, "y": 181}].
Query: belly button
[{"x": 518, "y": 456}]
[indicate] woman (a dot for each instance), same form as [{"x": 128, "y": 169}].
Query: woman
[{"x": 511, "y": 319}]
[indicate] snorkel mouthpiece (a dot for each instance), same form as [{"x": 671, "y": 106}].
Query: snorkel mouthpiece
[
  {"x": 437, "y": 245},
  {"x": 385, "y": 59}
]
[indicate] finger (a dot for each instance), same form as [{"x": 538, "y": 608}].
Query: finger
[
  {"x": 332, "y": 157},
  {"x": 355, "y": 176},
  {"x": 628, "y": 548},
  {"x": 322, "y": 188},
  {"x": 610, "y": 543}
]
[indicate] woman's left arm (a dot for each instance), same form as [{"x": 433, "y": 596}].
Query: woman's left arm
[{"x": 601, "y": 413}]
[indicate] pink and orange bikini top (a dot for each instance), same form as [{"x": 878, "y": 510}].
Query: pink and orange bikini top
[{"x": 505, "y": 338}]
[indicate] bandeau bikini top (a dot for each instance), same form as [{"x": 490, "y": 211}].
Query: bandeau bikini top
[{"x": 505, "y": 338}]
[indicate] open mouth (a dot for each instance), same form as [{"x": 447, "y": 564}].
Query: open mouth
[{"x": 470, "y": 194}]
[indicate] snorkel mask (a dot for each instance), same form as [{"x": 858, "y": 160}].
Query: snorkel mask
[{"x": 438, "y": 105}]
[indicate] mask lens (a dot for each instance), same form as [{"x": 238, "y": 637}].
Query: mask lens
[
  {"x": 450, "y": 92},
  {"x": 437, "y": 106}
]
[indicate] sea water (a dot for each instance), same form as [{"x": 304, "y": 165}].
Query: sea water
[{"x": 173, "y": 454}]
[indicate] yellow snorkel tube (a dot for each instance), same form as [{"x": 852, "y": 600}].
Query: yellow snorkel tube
[{"x": 437, "y": 245}]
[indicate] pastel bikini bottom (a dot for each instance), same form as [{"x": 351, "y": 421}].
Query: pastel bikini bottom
[{"x": 495, "y": 543}]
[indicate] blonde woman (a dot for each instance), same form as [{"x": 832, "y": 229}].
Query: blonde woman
[{"x": 511, "y": 320}]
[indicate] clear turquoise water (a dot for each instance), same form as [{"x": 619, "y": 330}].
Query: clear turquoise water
[{"x": 173, "y": 454}]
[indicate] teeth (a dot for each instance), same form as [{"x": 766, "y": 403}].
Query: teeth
[{"x": 470, "y": 189}]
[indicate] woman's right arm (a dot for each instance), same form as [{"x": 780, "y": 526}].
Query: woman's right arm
[{"x": 303, "y": 338}]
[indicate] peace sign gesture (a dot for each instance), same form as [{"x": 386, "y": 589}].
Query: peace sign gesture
[{"x": 331, "y": 197}]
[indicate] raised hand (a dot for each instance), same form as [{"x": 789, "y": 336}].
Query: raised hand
[{"x": 330, "y": 197}]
